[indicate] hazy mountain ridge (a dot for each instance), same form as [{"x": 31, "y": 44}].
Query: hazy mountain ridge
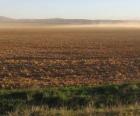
[
  {"x": 5, "y": 19},
  {"x": 65, "y": 21}
]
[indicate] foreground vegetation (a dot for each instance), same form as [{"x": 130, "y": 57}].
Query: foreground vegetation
[
  {"x": 71, "y": 98},
  {"x": 131, "y": 110}
]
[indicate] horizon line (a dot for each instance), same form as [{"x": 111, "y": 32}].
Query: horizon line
[{"x": 69, "y": 18}]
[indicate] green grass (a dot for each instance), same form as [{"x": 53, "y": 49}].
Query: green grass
[{"x": 71, "y": 97}]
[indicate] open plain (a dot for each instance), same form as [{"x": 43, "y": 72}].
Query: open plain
[{"x": 53, "y": 56}]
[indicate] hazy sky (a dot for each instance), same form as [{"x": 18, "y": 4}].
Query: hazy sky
[{"x": 89, "y": 9}]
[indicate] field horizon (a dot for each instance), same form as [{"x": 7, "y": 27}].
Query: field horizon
[
  {"x": 69, "y": 58},
  {"x": 6, "y": 22},
  {"x": 69, "y": 69}
]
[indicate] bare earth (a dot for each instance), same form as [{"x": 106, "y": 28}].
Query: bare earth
[{"x": 62, "y": 56}]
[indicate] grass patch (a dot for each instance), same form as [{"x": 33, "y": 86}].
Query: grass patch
[{"x": 71, "y": 97}]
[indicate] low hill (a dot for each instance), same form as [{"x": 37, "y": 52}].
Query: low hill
[
  {"x": 6, "y": 19},
  {"x": 65, "y": 21}
]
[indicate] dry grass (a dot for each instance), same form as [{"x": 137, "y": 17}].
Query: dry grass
[{"x": 131, "y": 110}]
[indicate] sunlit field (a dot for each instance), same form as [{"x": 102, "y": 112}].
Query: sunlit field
[
  {"x": 41, "y": 57},
  {"x": 69, "y": 70}
]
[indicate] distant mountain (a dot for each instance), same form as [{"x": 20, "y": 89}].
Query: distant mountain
[
  {"x": 68, "y": 21},
  {"x": 65, "y": 21},
  {"x": 5, "y": 19}
]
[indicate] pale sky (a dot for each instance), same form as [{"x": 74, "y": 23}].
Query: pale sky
[{"x": 77, "y": 9}]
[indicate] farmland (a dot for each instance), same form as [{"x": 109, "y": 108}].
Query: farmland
[
  {"x": 69, "y": 70},
  {"x": 42, "y": 57}
]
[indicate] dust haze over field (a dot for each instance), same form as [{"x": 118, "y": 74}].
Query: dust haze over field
[
  {"x": 62, "y": 52},
  {"x": 35, "y": 26},
  {"x": 69, "y": 57},
  {"x": 81, "y": 67},
  {"x": 6, "y": 22},
  {"x": 47, "y": 26}
]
